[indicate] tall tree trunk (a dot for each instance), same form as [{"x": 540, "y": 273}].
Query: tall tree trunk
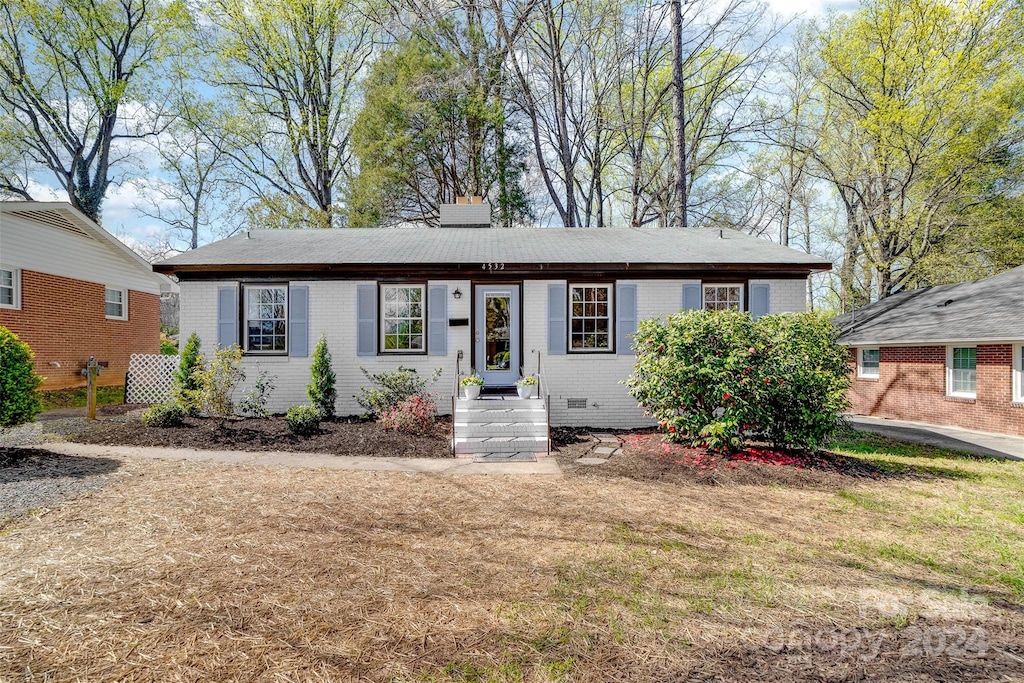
[{"x": 678, "y": 117}]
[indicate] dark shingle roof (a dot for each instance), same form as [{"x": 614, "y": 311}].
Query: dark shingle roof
[
  {"x": 983, "y": 310},
  {"x": 417, "y": 245}
]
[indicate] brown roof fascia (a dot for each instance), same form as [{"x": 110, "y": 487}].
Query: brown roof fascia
[{"x": 490, "y": 271}]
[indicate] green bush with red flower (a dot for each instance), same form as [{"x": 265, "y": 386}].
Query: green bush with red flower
[{"x": 720, "y": 379}]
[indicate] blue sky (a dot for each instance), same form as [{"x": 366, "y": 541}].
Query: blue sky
[{"x": 121, "y": 217}]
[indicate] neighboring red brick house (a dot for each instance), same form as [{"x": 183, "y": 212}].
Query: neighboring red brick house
[
  {"x": 951, "y": 355},
  {"x": 71, "y": 290}
]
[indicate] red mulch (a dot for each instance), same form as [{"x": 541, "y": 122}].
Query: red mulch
[{"x": 646, "y": 457}]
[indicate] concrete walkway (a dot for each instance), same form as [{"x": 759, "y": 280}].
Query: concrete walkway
[
  {"x": 980, "y": 443},
  {"x": 543, "y": 466}
]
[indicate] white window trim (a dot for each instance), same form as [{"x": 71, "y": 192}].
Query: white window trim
[
  {"x": 16, "y": 281},
  {"x": 864, "y": 373},
  {"x": 124, "y": 302},
  {"x": 737, "y": 285},
  {"x": 949, "y": 373},
  {"x": 1018, "y": 373},
  {"x": 611, "y": 317},
  {"x": 422, "y": 286},
  {"x": 245, "y": 318}
]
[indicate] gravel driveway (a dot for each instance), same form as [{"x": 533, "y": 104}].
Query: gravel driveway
[{"x": 33, "y": 478}]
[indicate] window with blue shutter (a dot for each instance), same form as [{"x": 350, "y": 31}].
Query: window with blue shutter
[
  {"x": 227, "y": 316},
  {"x": 298, "y": 321},
  {"x": 760, "y": 300},
  {"x": 556, "y": 319},
  {"x": 366, "y": 320},
  {"x": 691, "y": 298},
  {"x": 437, "y": 321},
  {"x": 625, "y": 324}
]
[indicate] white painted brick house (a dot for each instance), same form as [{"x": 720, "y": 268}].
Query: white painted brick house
[{"x": 496, "y": 300}]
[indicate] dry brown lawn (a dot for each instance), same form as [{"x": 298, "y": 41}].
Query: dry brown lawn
[{"x": 185, "y": 571}]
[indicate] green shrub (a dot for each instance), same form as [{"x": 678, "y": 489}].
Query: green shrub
[
  {"x": 391, "y": 387},
  {"x": 303, "y": 420},
  {"x": 718, "y": 378},
  {"x": 19, "y": 383},
  {"x": 216, "y": 380},
  {"x": 321, "y": 390},
  {"x": 254, "y": 403},
  {"x": 185, "y": 383},
  {"x": 164, "y": 415},
  {"x": 168, "y": 347},
  {"x": 805, "y": 378}
]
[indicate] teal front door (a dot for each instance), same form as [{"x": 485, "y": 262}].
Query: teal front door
[{"x": 496, "y": 338}]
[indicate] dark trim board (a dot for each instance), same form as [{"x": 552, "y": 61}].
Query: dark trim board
[{"x": 462, "y": 271}]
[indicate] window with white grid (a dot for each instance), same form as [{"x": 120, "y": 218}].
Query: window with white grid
[
  {"x": 723, "y": 297},
  {"x": 962, "y": 369},
  {"x": 590, "y": 318}
]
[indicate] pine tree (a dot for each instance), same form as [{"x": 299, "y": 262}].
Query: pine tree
[
  {"x": 321, "y": 390},
  {"x": 185, "y": 381}
]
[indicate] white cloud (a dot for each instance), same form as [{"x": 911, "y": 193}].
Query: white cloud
[{"x": 45, "y": 193}]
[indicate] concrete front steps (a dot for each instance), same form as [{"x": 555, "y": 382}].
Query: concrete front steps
[{"x": 501, "y": 428}]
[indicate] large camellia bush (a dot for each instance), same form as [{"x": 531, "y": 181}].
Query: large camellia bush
[{"x": 720, "y": 379}]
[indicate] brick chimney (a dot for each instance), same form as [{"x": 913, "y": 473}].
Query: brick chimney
[{"x": 466, "y": 212}]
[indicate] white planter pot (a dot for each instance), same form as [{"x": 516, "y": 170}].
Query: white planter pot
[
  {"x": 472, "y": 391},
  {"x": 524, "y": 391}
]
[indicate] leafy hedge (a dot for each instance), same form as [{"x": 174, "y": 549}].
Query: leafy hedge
[
  {"x": 719, "y": 379},
  {"x": 19, "y": 383}
]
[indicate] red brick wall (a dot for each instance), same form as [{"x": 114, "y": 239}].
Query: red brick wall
[
  {"x": 64, "y": 321},
  {"x": 912, "y": 386}
]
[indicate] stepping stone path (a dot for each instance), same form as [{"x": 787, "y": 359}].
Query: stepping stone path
[{"x": 605, "y": 446}]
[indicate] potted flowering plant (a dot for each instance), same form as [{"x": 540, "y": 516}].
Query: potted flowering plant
[
  {"x": 471, "y": 385},
  {"x": 525, "y": 385}
]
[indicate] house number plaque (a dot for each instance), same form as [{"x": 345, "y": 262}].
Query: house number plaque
[{"x": 492, "y": 266}]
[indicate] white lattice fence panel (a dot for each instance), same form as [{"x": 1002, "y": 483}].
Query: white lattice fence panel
[{"x": 149, "y": 378}]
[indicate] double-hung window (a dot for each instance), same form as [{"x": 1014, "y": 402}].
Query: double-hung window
[
  {"x": 590, "y": 318},
  {"x": 117, "y": 303},
  {"x": 403, "y": 318},
  {"x": 867, "y": 366},
  {"x": 1018, "y": 373},
  {"x": 962, "y": 369},
  {"x": 723, "y": 297},
  {"x": 266, "y": 318},
  {"x": 10, "y": 296}
]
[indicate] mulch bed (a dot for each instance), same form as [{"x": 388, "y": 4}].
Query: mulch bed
[
  {"x": 341, "y": 437},
  {"x": 645, "y": 457}
]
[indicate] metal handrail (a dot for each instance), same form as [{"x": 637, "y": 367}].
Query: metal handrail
[
  {"x": 542, "y": 392},
  {"x": 455, "y": 396}
]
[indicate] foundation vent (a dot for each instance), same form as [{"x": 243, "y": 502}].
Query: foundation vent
[{"x": 576, "y": 403}]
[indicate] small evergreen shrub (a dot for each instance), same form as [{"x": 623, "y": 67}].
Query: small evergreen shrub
[
  {"x": 303, "y": 420},
  {"x": 185, "y": 382},
  {"x": 320, "y": 389},
  {"x": 164, "y": 415},
  {"x": 19, "y": 384},
  {"x": 391, "y": 387},
  {"x": 718, "y": 378},
  {"x": 254, "y": 403},
  {"x": 412, "y": 415}
]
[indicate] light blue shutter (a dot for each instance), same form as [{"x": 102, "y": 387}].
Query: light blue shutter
[
  {"x": 625, "y": 314},
  {"x": 556, "y": 319},
  {"x": 366, "y": 320},
  {"x": 298, "y": 321},
  {"x": 437, "y": 321},
  {"x": 760, "y": 300},
  {"x": 691, "y": 298},
  {"x": 227, "y": 316}
]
